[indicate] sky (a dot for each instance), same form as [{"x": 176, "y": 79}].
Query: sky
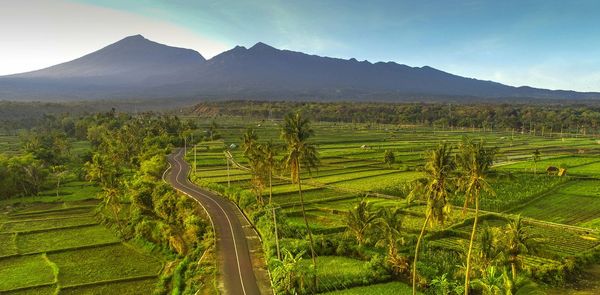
[{"x": 548, "y": 44}]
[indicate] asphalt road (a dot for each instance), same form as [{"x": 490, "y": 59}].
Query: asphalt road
[{"x": 235, "y": 264}]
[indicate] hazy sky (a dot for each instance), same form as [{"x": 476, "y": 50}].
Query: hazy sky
[{"x": 549, "y": 44}]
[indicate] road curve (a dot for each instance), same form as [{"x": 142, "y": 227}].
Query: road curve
[{"x": 235, "y": 264}]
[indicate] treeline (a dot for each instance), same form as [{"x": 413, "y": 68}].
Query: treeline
[
  {"x": 16, "y": 115},
  {"x": 520, "y": 117}
]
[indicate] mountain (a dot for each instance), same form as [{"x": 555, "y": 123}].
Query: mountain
[{"x": 139, "y": 68}]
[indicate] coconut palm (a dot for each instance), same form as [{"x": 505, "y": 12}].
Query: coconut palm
[
  {"x": 390, "y": 225},
  {"x": 491, "y": 283},
  {"x": 301, "y": 153},
  {"x": 435, "y": 188},
  {"x": 360, "y": 220},
  {"x": 474, "y": 160},
  {"x": 269, "y": 162},
  {"x": 254, "y": 153},
  {"x": 518, "y": 242},
  {"x": 249, "y": 140}
]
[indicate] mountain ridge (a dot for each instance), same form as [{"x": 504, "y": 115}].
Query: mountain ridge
[{"x": 135, "y": 67}]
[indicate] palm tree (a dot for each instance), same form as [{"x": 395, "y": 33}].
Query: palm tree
[
  {"x": 253, "y": 153},
  {"x": 491, "y": 283},
  {"x": 296, "y": 132},
  {"x": 518, "y": 242},
  {"x": 390, "y": 224},
  {"x": 474, "y": 160},
  {"x": 360, "y": 220},
  {"x": 435, "y": 187},
  {"x": 269, "y": 153},
  {"x": 249, "y": 140},
  {"x": 111, "y": 200}
]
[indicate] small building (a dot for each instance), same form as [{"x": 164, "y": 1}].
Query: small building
[
  {"x": 552, "y": 170},
  {"x": 232, "y": 146}
]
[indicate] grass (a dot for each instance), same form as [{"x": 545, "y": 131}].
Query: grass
[
  {"x": 122, "y": 288},
  {"x": 24, "y": 271},
  {"x": 391, "y": 288},
  {"x": 103, "y": 263},
  {"x": 49, "y": 225},
  {"x": 344, "y": 164},
  {"x": 41, "y": 290},
  {"x": 7, "y": 244},
  {"x": 576, "y": 203},
  {"x": 64, "y": 238},
  {"x": 355, "y": 272},
  {"x": 513, "y": 190},
  {"x": 46, "y": 224}
]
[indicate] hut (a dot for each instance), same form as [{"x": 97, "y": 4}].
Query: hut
[{"x": 552, "y": 170}]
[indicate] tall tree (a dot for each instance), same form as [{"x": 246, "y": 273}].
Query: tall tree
[
  {"x": 254, "y": 153},
  {"x": 435, "y": 188},
  {"x": 474, "y": 161},
  {"x": 269, "y": 152},
  {"x": 301, "y": 153}
]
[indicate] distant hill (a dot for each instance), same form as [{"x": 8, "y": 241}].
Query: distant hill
[{"x": 139, "y": 68}]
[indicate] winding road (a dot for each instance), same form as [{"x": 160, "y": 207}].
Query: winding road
[{"x": 235, "y": 260}]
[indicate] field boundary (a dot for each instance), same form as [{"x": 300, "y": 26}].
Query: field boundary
[{"x": 104, "y": 282}]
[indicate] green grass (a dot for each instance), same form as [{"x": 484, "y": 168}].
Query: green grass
[
  {"x": 24, "y": 271},
  {"x": 7, "y": 244},
  {"x": 391, "y": 288},
  {"x": 378, "y": 182},
  {"x": 592, "y": 170},
  {"x": 355, "y": 272},
  {"x": 512, "y": 191},
  {"x": 44, "y": 224},
  {"x": 143, "y": 286},
  {"x": 569, "y": 161},
  {"x": 576, "y": 203},
  {"x": 41, "y": 290},
  {"x": 72, "y": 191},
  {"x": 345, "y": 165},
  {"x": 103, "y": 263},
  {"x": 64, "y": 239}
]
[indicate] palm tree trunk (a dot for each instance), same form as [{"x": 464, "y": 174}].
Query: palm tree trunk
[
  {"x": 468, "y": 271},
  {"x": 414, "y": 280},
  {"x": 513, "y": 267},
  {"x": 310, "y": 237},
  {"x": 274, "y": 216}
]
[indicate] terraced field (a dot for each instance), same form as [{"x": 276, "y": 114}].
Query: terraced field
[
  {"x": 576, "y": 203},
  {"x": 60, "y": 248},
  {"x": 352, "y": 170}
]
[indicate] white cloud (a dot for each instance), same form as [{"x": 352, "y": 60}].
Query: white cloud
[{"x": 39, "y": 33}]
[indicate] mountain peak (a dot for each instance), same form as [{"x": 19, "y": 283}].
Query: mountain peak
[
  {"x": 262, "y": 46},
  {"x": 133, "y": 57}
]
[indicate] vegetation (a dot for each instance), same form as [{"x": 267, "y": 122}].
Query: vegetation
[
  {"x": 132, "y": 236},
  {"x": 428, "y": 201}
]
